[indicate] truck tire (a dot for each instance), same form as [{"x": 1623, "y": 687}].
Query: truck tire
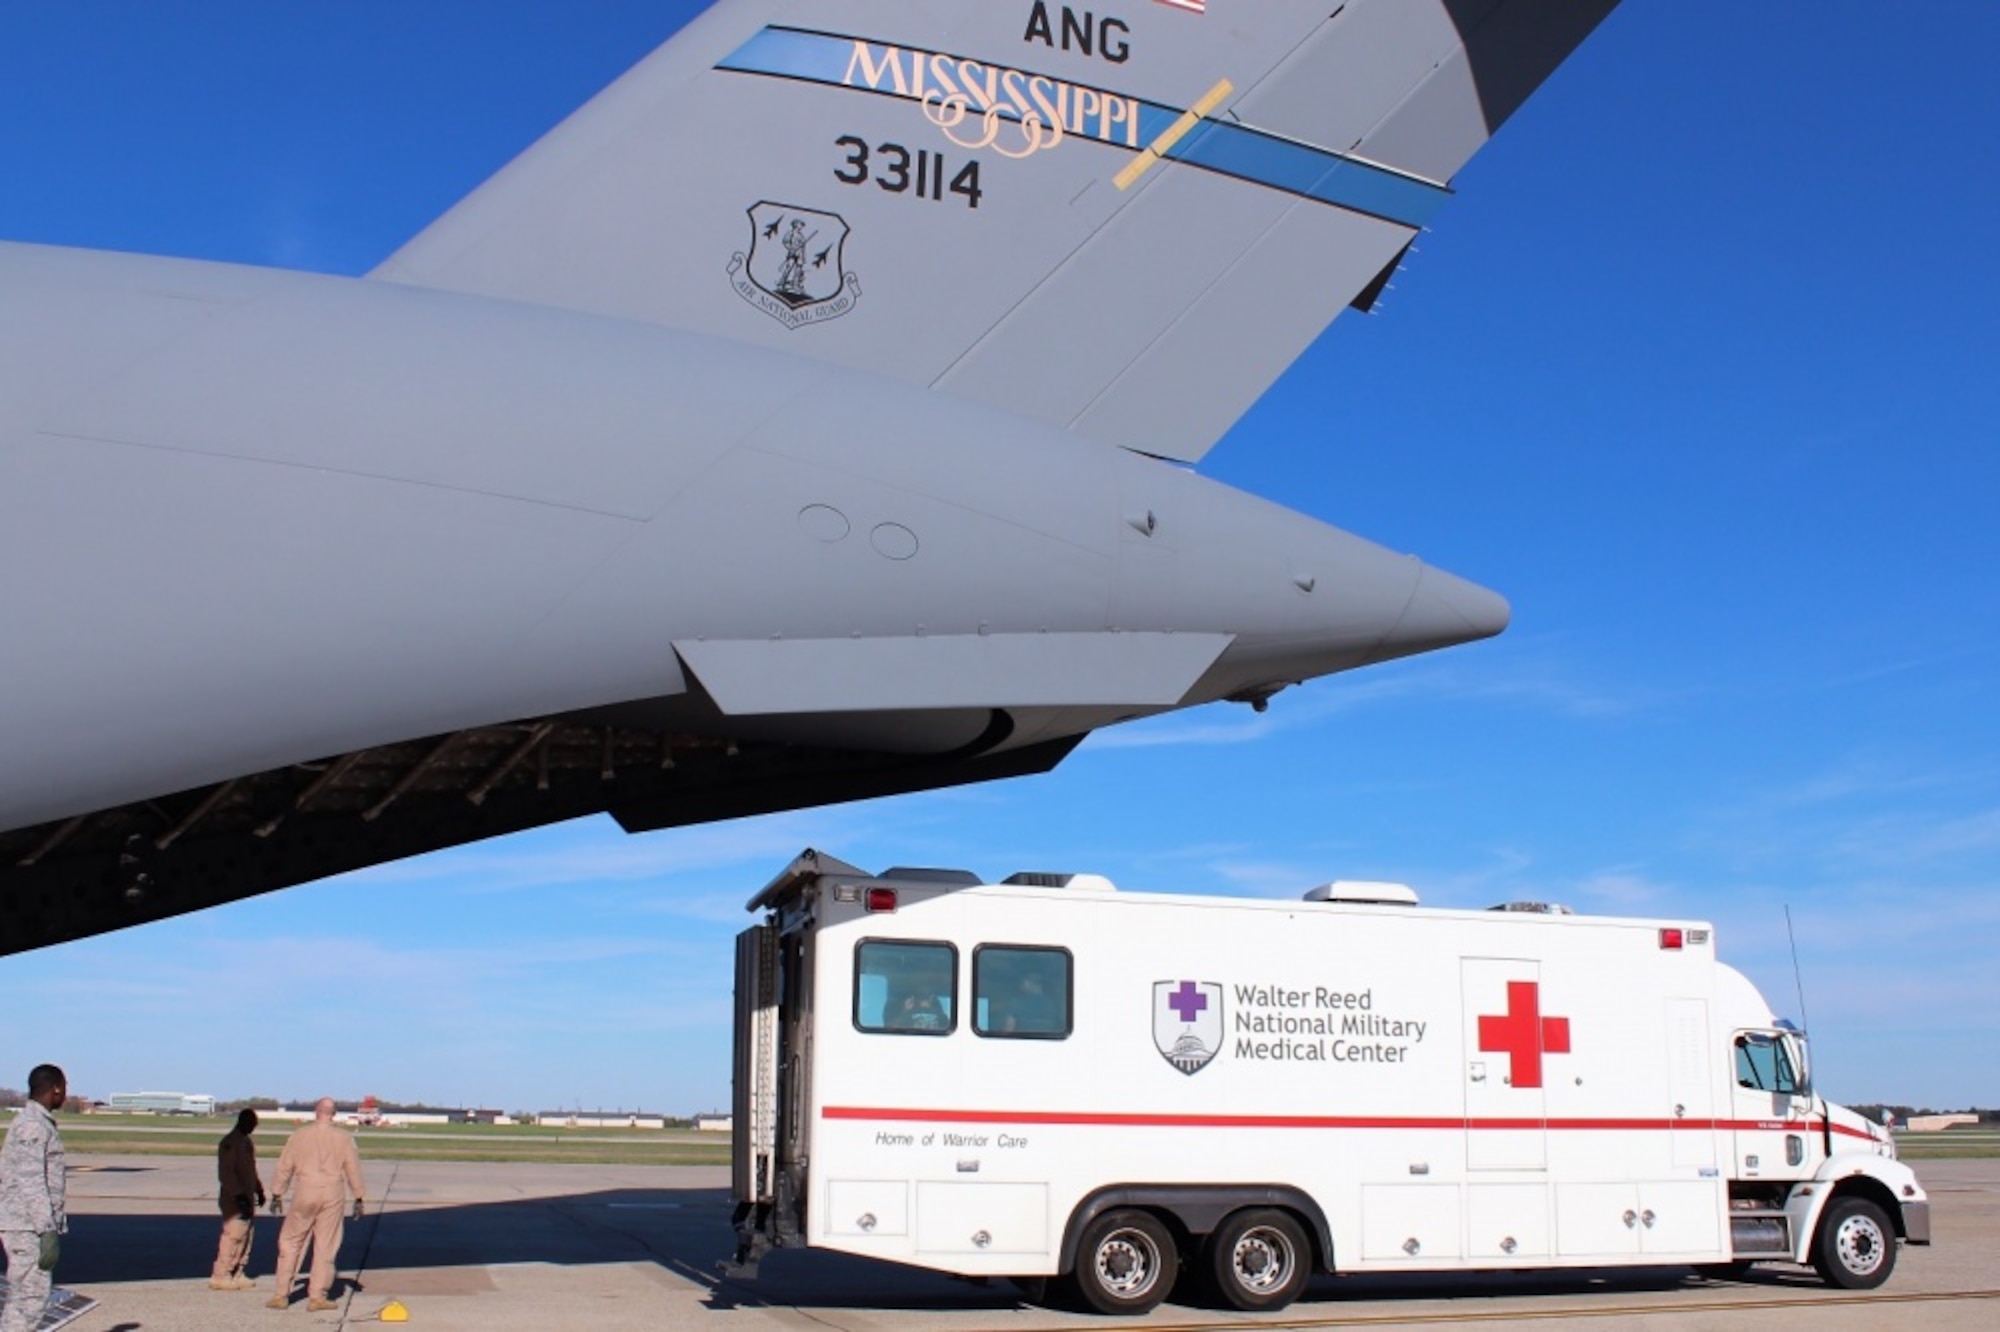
[
  {"x": 1126, "y": 1263},
  {"x": 1856, "y": 1246},
  {"x": 1259, "y": 1259}
]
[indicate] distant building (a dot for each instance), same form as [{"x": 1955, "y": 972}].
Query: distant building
[
  {"x": 714, "y": 1121},
  {"x": 364, "y": 1115},
  {"x": 1937, "y": 1123},
  {"x": 638, "y": 1119},
  {"x": 161, "y": 1103}
]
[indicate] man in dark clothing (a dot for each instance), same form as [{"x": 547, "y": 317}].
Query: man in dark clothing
[{"x": 241, "y": 1194}]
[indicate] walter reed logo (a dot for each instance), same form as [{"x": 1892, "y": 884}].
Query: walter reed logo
[
  {"x": 1311, "y": 1024},
  {"x": 1187, "y": 1023}
]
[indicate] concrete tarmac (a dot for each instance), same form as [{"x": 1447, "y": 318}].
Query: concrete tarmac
[{"x": 495, "y": 1248}]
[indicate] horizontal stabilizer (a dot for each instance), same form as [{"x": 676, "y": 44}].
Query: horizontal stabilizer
[{"x": 754, "y": 677}]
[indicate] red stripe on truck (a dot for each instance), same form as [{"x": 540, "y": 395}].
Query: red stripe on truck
[{"x": 1120, "y": 1119}]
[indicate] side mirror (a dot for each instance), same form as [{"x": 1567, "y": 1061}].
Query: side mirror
[{"x": 1795, "y": 1050}]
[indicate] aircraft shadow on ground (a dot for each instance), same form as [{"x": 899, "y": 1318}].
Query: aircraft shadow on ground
[{"x": 686, "y": 1232}]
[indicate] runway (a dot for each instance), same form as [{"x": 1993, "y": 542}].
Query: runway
[{"x": 496, "y": 1248}]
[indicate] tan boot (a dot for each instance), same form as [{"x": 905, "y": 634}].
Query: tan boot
[
  {"x": 241, "y": 1283},
  {"x": 320, "y": 1306},
  {"x": 227, "y": 1283},
  {"x": 277, "y": 1302}
]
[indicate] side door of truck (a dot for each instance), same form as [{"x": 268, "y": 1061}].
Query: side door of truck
[
  {"x": 1507, "y": 1038},
  {"x": 1690, "y": 1084},
  {"x": 1770, "y": 1108}
]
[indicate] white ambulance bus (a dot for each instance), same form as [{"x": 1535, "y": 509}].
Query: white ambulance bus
[{"x": 1048, "y": 1078}]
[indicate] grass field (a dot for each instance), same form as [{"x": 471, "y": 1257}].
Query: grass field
[
  {"x": 149, "y": 1135},
  {"x": 1957, "y": 1143}
]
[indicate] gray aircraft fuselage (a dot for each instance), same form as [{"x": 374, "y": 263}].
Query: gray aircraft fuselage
[
  {"x": 257, "y": 519},
  {"x": 655, "y": 477}
]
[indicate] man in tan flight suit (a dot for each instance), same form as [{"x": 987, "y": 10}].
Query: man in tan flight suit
[{"x": 322, "y": 1161}]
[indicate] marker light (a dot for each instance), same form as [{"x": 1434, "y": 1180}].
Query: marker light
[
  {"x": 1670, "y": 938},
  {"x": 881, "y": 899}
]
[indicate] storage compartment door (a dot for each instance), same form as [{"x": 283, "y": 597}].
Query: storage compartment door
[
  {"x": 1691, "y": 1083},
  {"x": 1507, "y": 1221},
  {"x": 867, "y": 1207},
  {"x": 982, "y": 1218},
  {"x": 1597, "y": 1220},
  {"x": 1414, "y": 1223},
  {"x": 1682, "y": 1217}
]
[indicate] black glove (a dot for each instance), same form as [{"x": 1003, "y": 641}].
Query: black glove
[
  {"x": 277, "y": 1207},
  {"x": 243, "y": 1207},
  {"x": 360, "y": 1210},
  {"x": 51, "y": 1250},
  {"x": 260, "y": 1197}
]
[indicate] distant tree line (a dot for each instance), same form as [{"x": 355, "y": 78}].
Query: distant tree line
[
  {"x": 345, "y": 1107},
  {"x": 1905, "y": 1112},
  {"x": 247, "y": 1103}
]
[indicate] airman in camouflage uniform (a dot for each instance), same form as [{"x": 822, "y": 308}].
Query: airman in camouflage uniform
[{"x": 32, "y": 1212}]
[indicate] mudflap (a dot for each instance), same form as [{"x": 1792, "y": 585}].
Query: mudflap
[{"x": 753, "y": 1240}]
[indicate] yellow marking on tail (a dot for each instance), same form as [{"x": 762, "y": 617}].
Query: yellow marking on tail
[{"x": 1172, "y": 134}]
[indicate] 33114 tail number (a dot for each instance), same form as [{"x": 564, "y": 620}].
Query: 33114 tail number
[{"x": 901, "y": 170}]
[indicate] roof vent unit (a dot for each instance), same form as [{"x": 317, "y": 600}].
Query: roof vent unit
[
  {"x": 1363, "y": 893},
  {"x": 944, "y": 878},
  {"x": 1534, "y": 908},
  {"x": 1092, "y": 883}
]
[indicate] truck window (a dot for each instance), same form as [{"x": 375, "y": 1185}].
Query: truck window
[
  {"x": 1020, "y": 992},
  {"x": 905, "y": 987},
  {"x": 1763, "y": 1065}
]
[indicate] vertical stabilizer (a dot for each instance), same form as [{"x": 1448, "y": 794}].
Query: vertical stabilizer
[{"x": 1066, "y": 210}]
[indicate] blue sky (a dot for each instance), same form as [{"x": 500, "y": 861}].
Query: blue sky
[{"x": 1698, "y": 369}]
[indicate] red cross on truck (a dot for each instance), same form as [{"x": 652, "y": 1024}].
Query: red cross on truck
[{"x": 1523, "y": 1034}]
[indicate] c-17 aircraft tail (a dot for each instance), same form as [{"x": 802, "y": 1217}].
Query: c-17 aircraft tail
[
  {"x": 1124, "y": 222},
  {"x": 742, "y": 447}
]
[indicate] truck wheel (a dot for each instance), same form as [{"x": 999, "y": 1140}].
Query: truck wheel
[
  {"x": 1856, "y": 1246},
  {"x": 1126, "y": 1263},
  {"x": 1258, "y": 1258}
]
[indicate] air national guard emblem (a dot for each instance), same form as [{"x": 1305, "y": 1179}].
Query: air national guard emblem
[
  {"x": 1187, "y": 1023},
  {"x": 793, "y": 270}
]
